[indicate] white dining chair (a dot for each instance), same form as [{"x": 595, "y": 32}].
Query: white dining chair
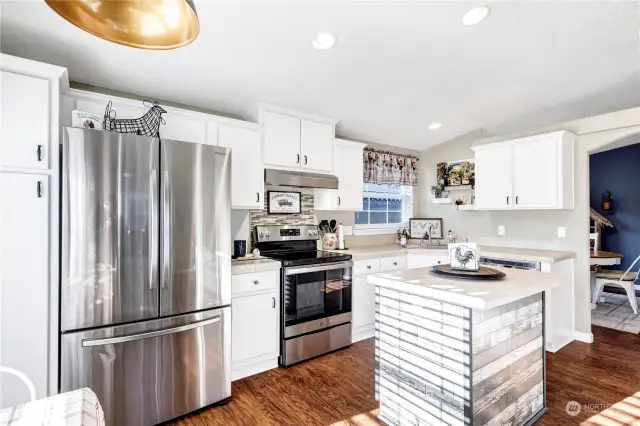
[
  {"x": 27, "y": 381},
  {"x": 594, "y": 240},
  {"x": 625, "y": 280}
]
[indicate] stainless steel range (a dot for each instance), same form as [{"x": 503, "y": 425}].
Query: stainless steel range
[{"x": 315, "y": 291}]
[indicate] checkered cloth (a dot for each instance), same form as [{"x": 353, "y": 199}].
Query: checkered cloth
[{"x": 77, "y": 408}]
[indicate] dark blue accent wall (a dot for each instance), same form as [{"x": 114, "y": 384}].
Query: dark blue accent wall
[{"x": 618, "y": 170}]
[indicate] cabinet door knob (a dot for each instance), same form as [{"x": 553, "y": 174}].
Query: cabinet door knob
[
  {"x": 257, "y": 197},
  {"x": 39, "y": 152},
  {"x": 516, "y": 199},
  {"x": 256, "y": 282},
  {"x": 39, "y": 189},
  {"x": 297, "y": 158},
  {"x": 338, "y": 200},
  {"x": 439, "y": 262},
  {"x": 273, "y": 302},
  {"x": 395, "y": 263},
  {"x": 507, "y": 199},
  {"x": 368, "y": 266},
  {"x": 305, "y": 159}
]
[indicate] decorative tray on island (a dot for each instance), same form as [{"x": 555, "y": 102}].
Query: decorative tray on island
[{"x": 483, "y": 273}]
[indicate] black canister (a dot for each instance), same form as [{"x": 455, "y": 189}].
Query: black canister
[{"x": 239, "y": 248}]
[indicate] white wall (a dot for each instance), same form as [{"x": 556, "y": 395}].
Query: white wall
[{"x": 537, "y": 229}]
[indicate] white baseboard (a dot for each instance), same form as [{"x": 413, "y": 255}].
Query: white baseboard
[
  {"x": 583, "y": 337},
  {"x": 240, "y": 370},
  {"x": 362, "y": 333}
]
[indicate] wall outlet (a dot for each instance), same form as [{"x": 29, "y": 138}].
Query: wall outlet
[
  {"x": 501, "y": 230},
  {"x": 562, "y": 232}
]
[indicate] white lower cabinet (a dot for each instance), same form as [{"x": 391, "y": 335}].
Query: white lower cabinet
[
  {"x": 255, "y": 324},
  {"x": 363, "y": 297},
  {"x": 415, "y": 260},
  {"x": 363, "y": 309},
  {"x": 24, "y": 284}
]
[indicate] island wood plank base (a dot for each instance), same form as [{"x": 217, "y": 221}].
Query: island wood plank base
[{"x": 439, "y": 363}]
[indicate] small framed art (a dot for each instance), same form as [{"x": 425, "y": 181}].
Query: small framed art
[
  {"x": 281, "y": 202},
  {"x": 421, "y": 227}
]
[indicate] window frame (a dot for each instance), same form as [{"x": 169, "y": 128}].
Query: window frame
[{"x": 387, "y": 228}]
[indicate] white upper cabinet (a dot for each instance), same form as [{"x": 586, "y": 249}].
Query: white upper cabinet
[
  {"x": 24, "y": 121},
  {"x": 494, "y": 180},
  {"x": 247, "y": 172},
  {"x": 281, "y": 139},
  {"x": 535, "y": 174},
  {"x": 529, "y": 173},
  {"x": 297, "y": 141},
  {"x": 317, "y": 146},
  {"x": 349, "y": 170}
]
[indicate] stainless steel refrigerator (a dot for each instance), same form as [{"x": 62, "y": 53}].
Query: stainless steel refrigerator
[{"x": 146, "y": 274}]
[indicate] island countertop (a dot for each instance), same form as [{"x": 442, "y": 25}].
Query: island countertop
[
  {"x": 512, "y": 253},
  {"x": 474, "y": 294}
]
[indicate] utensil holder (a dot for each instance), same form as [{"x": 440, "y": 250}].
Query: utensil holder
[{"x": 330, "y": 241}]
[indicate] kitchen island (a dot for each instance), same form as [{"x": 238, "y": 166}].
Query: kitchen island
[{"x": 460, "y": 352}]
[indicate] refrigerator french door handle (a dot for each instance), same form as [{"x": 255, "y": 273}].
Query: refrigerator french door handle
[
  {"x": 166, "y": 232},
  {"x": 153, "y": 229},
  {"x": 139, "y": 336}
]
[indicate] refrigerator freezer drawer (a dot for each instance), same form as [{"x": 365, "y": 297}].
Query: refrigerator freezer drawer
[{"x": 154, "y": 371}]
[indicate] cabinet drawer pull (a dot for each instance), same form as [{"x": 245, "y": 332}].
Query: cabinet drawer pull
[
  {"x": 39, "y": 189},
  {"x": 39, "y": 152},
  {"x": 257, "y": 197},
  {"x": 368, "y": 266},
  {"x": 297, "y": 158},
  {"x": 395, "y": 263},
  {"x": 305, "y": 159},
  {"x": 338, "y": 200},
  {"x": 256, "y": 282},
  {"x": 273, "y": 302}
]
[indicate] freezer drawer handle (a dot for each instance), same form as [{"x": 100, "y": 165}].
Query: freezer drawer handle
[{"x": 140, "y": 336}]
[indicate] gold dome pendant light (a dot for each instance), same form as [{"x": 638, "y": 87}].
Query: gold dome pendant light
[{"x": 145, "y": 24}]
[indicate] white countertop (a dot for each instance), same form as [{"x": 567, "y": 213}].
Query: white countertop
[
  {"x": 248, "y": 265},
  {"x": 390, "y": 250},
  {"x": 475, "y": 294}
]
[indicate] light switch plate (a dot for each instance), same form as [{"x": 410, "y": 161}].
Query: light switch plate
[
  {"x": 501, "y": 230},
  {"x": 348, "y": 230},
  {"x": 562, "y": 232}
]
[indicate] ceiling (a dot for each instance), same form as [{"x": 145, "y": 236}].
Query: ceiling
[{"x": 397, "y": 65}]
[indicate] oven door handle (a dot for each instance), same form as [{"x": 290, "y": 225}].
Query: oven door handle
[{"x": 326, "y": 267}]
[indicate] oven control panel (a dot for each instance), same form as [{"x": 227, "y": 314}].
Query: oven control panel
[{"x": 286, "y": 233}]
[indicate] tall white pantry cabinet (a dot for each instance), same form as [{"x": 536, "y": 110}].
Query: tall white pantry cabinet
[{"x": 29, "y": 139}]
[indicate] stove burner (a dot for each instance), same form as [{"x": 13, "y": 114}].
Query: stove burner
[{"x": 306, "y": 257}]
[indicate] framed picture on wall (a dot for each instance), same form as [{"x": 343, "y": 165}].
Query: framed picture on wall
[
  {"x": 281, "y": 202},
  {"x": 419, "y": 227}
]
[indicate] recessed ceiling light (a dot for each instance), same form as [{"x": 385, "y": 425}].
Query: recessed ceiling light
[
  {"x": 324, "y": 41},
  {"x": 434, "y": 126},
  {"x": 475, "y": 15}
]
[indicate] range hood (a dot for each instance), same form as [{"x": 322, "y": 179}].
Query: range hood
[{"x": 299, "y": 179}]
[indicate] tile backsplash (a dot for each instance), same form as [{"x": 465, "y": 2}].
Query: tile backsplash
[{"x": 263, "y": 218}]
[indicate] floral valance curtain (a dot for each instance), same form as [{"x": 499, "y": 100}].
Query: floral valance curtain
[{"x": 387, "y": 168}]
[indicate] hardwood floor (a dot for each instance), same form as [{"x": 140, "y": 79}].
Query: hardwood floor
[{"x": 337, "y": 389}]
